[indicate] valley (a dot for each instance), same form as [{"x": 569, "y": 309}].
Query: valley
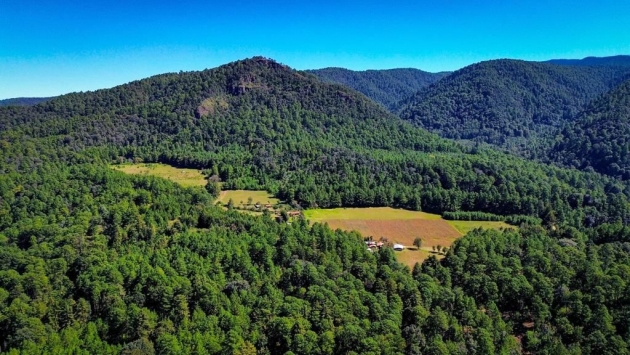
[
  {"x": 387, "y": 87},
  {"x": 395, "y": 226},
  {"x": 107, "y": 248}
]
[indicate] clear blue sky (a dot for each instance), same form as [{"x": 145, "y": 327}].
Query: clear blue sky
[{"x": 54, "y": 47}]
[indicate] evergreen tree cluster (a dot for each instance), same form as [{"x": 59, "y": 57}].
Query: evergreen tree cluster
[{"x": 516, "y": 220}]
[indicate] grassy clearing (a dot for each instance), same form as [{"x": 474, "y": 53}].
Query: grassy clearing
[
  {"x": 184, "y": 177},
  {"x": 240, "y": 197},
  {"x": 404, "y": 231},
  {"x": 369, "y": 213},
  {"x": 466, "y": 226},
  {"x": 410, "y": 257},
  {"x": 192, "y": 177}
]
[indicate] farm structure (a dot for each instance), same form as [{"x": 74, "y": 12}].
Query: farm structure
[{"x": 372, "y": 245}]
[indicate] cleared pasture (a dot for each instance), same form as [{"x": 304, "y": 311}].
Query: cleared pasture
[
  {"x": 466, "y": 226},
  {"x": 184, "y": 177},
  {"x": 240, "y": 197},
  {"x": 411, "y": 256},
  {"x": 368, "y": 213}
]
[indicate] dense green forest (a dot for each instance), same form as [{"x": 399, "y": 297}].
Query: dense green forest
[
  {"x": 97, "y": 262},
  {"x": 93, "y": 261},
  {"x": 387, "y": 87},
  {"x": 515, "y": 105},
  {"x": 599, "y": 138}
]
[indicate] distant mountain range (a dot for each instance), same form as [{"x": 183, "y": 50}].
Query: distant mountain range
[
  {"x": 511, "y": 104},
  {"x": 516, "y": 105},
  {"x": 24, "y": 101},
  {"x": 622, "y": 60},
  {"x": 387, "y": 87}
]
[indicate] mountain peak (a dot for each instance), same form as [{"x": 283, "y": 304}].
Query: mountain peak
[{"x": 260, "y": 61}]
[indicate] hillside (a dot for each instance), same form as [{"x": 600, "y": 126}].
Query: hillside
[
  {"x": 23, "y": 101},
  {"x": 255, "y": 104},
  {"x": 257, "y": 124},
  {"x": 93, "y": 261},
  {"x": 387, "y": 87},
  {"x": 511, "y": 104},
  {"x": 599, "y": 138}
]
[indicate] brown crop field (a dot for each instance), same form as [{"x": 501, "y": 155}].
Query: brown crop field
[
  {"x": 400, "y": 226},
  {"x": 433, "y": 232},
  {"x": 402, "y": 231},
  {"x": 410, "y": 257}
]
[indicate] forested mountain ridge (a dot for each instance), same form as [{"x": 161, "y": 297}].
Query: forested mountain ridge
[
  {"x": 257, "y": 85},
  {"x": 387, "y": 87},
  {"x": 258, "y": 124},
  {"x": 599, "y": 138},
  {"x": 93, "y": 261},
  {"x": 511, "y": 104}
]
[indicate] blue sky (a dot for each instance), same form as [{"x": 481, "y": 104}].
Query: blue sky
[{"x": 54, "y": 47}]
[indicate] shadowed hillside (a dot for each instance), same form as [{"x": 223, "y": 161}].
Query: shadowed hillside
[
  {"x": 599, "y": 138},
  {"x": 515, "y": 105}
]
